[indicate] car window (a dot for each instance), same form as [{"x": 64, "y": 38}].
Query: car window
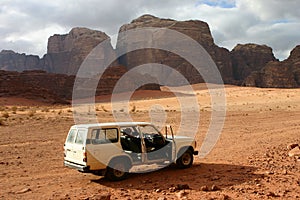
[
  {"x": 103, "y": 136},
  {"x": 80, "y": 137},
  {"x": 71, "y": 136},
  {"x": 148, "y": 130}
]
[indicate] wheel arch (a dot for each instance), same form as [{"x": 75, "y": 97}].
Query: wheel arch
[
  {"x": 184, "y": 149},
  {"x": 123, "y": 158}
]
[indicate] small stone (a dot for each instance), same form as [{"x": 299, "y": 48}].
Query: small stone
[
  {"x": 272, "y": 194},
  {"x": 292, "y": 146},
  {"x": 225, "y": 197},
  {"x": 172, "y": 189},
  {"x": 269, "y": 172},
  {"x": 158, "y": 190},
  {"x": 215, "y": 178},
  {"x": 215, "y": 188},
  {"x": 23, "y": 191},
  {"x": 162, "y": 198},
  {"x": 181, "y": 194},
  {"x": 204, "y": 188},
  {"x": 294, "y": 152},
  {"x": 284, "y": 172}
]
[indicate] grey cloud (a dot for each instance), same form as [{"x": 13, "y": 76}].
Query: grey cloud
[{"x": 249, "y": 21}]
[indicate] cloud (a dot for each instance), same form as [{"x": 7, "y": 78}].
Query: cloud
[{"x": 25, "y": 27}]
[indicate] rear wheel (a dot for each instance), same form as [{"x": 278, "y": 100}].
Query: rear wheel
[
  {"x": 185, "y": 160},
  {"x": 117, "y": 170}
]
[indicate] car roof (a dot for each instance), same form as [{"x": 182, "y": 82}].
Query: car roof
[{"x": 109, "y": 124}]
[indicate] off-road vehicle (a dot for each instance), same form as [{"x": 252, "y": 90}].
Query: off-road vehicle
[{"x": 112, "y": 149}]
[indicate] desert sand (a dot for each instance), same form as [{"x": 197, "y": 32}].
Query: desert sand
[{"x": 249, "y": 161}]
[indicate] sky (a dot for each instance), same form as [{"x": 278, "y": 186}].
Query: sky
[{"x": 25, "y": 26}]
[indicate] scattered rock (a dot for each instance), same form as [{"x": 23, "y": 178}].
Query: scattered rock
[
  {"x": 292, "y": 146},
  {"x": 100, "y": 197},
  {"x": 294, "y": 152},
  {"x": 272, "y": 194},
  {"x": 284, "y": 172},
  {"x": 215, "y": 178},
  {"x": 162, "y": 198},
  {"x": 225, "y": 197},
  {"x": 181, "y": 194},
  {"x": 158, "y": 190},
  {"x": 215, "y": 188},
  {"x": 204, "y": 188},
  {"x": 172, "y": 189},
  {"x": 25, "y": 190}
]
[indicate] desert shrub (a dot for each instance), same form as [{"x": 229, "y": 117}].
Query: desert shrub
[
  {"x": 21, "y": 109},
  {"x": 14, "y": 108},
  {"x": 104, "y": 109},
  {"x": 31, "y": 113},
  {"x": 5, "y": 115},
  {"x": 1, "y": 122},
  {"x": 45, "y": 109},
  {"x": 133, "y": 108}
]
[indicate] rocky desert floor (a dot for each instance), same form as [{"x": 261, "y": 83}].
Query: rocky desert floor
[{"x": 249, "y": 161}]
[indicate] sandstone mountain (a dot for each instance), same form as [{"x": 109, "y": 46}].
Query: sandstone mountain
[
  {"x": 248, "y": 58},
  {"x": 197, "y": 30},
  {"x": 285, "y": 74},
  {"x": 247, "y": 64},
  {"x": 11, "y": 61}
]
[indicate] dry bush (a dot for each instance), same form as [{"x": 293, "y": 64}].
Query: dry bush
[
  {"x": 133, "y": 108},
  {"x": 1, "y": 122},
  {"x": 45, "y": 109},
  {"x": 14, "y": 108},
  {"x": 31, "y": 113},
  {"x": 5, "y": 115},
  {"x": 104, "y": 109}
]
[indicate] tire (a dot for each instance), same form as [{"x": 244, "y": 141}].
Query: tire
[
  {"x": 185, "y": 160},
  {"x": 117, "y": 170}
]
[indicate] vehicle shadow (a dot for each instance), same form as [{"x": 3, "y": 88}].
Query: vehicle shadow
[{"x": 204, "y": 174}]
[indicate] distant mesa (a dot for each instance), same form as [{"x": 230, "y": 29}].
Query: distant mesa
[{"x": 247, "y": 64}]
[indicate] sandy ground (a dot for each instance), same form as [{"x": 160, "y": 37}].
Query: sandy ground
[{"x": 250, "y": 160}]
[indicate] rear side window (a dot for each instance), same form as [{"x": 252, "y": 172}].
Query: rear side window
[
  {"x": 80, "y": 137},
  {"x": 71, "y": 136},
  {"x": 103, "y": 136}
]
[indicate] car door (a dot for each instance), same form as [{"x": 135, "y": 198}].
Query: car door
[
  {"x": 156, "y": 147},
  {"x": 74, "y": 146}
]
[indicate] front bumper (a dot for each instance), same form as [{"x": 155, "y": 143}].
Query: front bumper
[{"x": 78, "y": 167}]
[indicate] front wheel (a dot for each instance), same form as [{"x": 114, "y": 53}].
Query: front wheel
[
  {"x": 185, "y": 160},
  {"x": 117, "y": 170}
]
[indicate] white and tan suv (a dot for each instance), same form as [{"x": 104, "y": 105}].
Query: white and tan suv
[{"x": 112, "y": 149}]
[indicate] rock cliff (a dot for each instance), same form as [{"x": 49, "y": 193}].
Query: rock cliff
[
  {"x": 197, "y": 30},
  {"x": 285, "y": 74},
  {"x": 66, "y": 53},
  {"x": 11, "y": 61},
  {"x": 248, "y": 58}
]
